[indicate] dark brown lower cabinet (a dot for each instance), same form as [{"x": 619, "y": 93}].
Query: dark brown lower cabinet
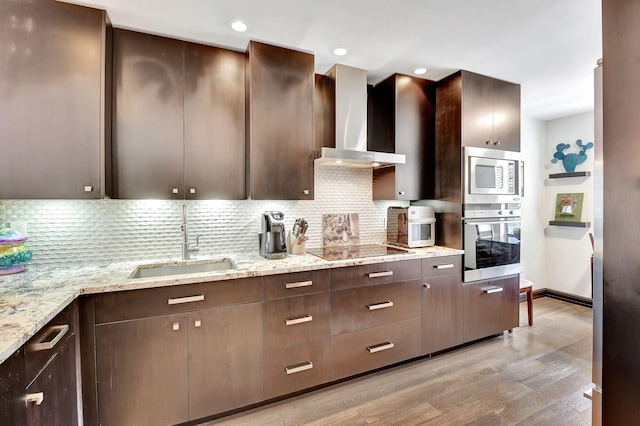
[
  {"x": 12, "y": 410},
  {"x": 225, "y": 359},
  {"x": 172, "y": 369},
  {"x": 142, "y": 371},
  {"x": 54, "y": 391},
  {"x": 490, "y": 307},
  {"x": 441, "y": 313}
]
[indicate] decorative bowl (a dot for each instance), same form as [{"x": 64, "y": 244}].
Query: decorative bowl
[{"x": 13, "y": 253}]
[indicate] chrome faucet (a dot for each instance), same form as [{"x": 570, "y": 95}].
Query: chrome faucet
[{"x": 186, "y": 248}]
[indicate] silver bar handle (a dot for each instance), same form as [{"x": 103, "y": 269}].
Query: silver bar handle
[
  {"x": 381, "y": 305},
  {"x": 444, "y": 266},
  {"x": 380, "y": 274},
  {"x": 297, "y": 368},
  {"x": 34, "y": 397},
  {"x": 299, "y": 284},
  {"x": 60, "y": 330},
  {"x": 380, "y": 347},
  {"x": 187, "y": 299},
  {"x": 491, "y": 290},
  {"x": 300, "y": 320}
]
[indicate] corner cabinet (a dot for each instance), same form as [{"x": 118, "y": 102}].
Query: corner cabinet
[
  {"x": 280, "y": 85},
  {"x": 480, "y": 111},
  {"x": 53, "y": 82},
  {"x": 402, "y": 120},
  {"x": 178, "y": 119}
]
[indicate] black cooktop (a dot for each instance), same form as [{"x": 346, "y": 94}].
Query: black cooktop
[{"x": 356, "y": 251}]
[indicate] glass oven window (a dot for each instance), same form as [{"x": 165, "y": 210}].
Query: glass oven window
[
  {"x": 421, "y": 231},
  {"x": 492, "y": 244}
]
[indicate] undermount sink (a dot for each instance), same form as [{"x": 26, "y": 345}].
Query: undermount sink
[{"x": 181, "y": 268}]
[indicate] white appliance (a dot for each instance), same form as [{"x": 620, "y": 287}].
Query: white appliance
[{"x": 413, "y": 226}]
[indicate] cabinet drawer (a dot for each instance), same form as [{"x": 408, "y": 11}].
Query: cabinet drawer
[
  {"x": 490, "y": 307},
  {"x": 365, "y": 307},
  {"x": 52, "y": 396},
  {"x": 441, "y": 265},
  {"x": 296, "y": 367},
  {"x": 365, "y": 350},
  {"x": 132, "y": 304},
  {"x": 295, "y": 284},
  {"x": 41, "y": 347},
  {"x": 295, "y": 320},
  {"x": 377, "y": 273}
]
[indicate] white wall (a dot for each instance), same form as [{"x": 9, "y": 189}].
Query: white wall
[
  {"x": 533, "y": 256},
  {"x": 568, "y": 250}
]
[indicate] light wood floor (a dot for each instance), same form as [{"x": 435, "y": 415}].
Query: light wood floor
[{"x": 535, "y": 376}]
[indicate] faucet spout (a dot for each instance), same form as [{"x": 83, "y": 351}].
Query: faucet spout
[{"x": 187, "y": 249}]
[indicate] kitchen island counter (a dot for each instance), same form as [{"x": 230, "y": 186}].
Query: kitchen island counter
[{"x": 30, "y": 299}]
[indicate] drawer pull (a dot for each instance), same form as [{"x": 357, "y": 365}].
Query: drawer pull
[
  {"x": 444, "y": 266},
  {"x": 60, "y": 331},
  {"x": 297, "y": 368},
  {"x": 380, "y": 274},
  {"x": 381, "y": 305},
  {"x": 188, "y": 299},
  {"x": 34, "y": 397},
  {"x": 491, "y": 290},
  {"x": 380, "y": 347},
  {"x": 300, "y": 320},
  {"x": 299, "y": 284}
]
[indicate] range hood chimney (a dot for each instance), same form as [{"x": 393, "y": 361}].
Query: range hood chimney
[{"x": 350, "y": 85}]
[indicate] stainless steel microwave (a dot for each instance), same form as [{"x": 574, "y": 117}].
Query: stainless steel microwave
[
  {"x": 413, "y": 226},
  {"x": 493, "y": 176}
]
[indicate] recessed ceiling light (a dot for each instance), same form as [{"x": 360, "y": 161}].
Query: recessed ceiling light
[
  {"x": 420, "y": 71},
  {"x": 340, "y": 51},
  {"x": 239, "y": 26},
  {"x": 338, "y": 161},
  {"x": 375, "y": 164}
]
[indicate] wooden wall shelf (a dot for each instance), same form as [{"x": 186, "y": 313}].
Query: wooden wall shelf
[
  {"x": 571, "y": 224},
  {"x": 569, "y": 175}
]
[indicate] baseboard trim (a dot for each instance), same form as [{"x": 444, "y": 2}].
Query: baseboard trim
[{"x": 565, "y": 297}]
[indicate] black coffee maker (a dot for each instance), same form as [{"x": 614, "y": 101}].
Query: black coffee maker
[{"x": 273, "y": 243}]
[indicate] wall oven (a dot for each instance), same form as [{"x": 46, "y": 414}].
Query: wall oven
[
  {"x": 492, "y": 176},
  {"x": 491, "y": 242}
]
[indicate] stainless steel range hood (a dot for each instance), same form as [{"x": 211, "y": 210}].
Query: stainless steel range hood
[{"x": 350, "y": 85}]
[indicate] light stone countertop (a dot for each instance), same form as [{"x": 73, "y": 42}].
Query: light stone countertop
[{"x": 30, "y": 299}]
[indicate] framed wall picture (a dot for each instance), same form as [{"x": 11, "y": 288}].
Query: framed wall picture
[{"x": 569, "y": 207}]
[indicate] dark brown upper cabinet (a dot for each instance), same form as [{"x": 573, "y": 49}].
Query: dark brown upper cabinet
[
  {"x": 402, "y": 121},
  {"x": 53, "y": 80},
  {"x": 487, "y": 110},
  {"x": 178, "y": 127},
  {"x": 280, "y": 85}
]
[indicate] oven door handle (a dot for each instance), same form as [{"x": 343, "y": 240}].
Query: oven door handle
[{"x": 492, "y": 221}]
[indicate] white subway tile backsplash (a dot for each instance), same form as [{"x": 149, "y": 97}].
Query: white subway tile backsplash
[{"x": 98, "y": 231}]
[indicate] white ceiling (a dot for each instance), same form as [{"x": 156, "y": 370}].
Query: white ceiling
[{"x": 550, "y": 47}]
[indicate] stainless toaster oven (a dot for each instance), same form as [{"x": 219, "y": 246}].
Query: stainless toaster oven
[{"x": 413, "y": 226}]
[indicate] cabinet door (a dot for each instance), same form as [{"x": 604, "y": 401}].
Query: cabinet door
[
  {"x": 12, "y": 408},
  {"x": 280, "y": 85},
  {"x": 147, "y": 116},
  {"x": 57, "y": 386},
  {"x": 441, "y": 313},
  {"x": 506, "y": 112},
  {"x": 214, "y": 124},
  {"x": 225, "y": 359},
  {"x": 142, "y": 371},
  {"x": 51, "y": 97},
  {"x": 490, "y": 307},
  {"x": 477, "y": 110}
]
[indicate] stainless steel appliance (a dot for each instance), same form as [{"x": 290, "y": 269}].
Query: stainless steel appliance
[
  {"x": 413, "y": 226},
  {"x": 491, "y": 241},
  {"x": 492, "y": 176},
  {"x": 273, "y": 243}
]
